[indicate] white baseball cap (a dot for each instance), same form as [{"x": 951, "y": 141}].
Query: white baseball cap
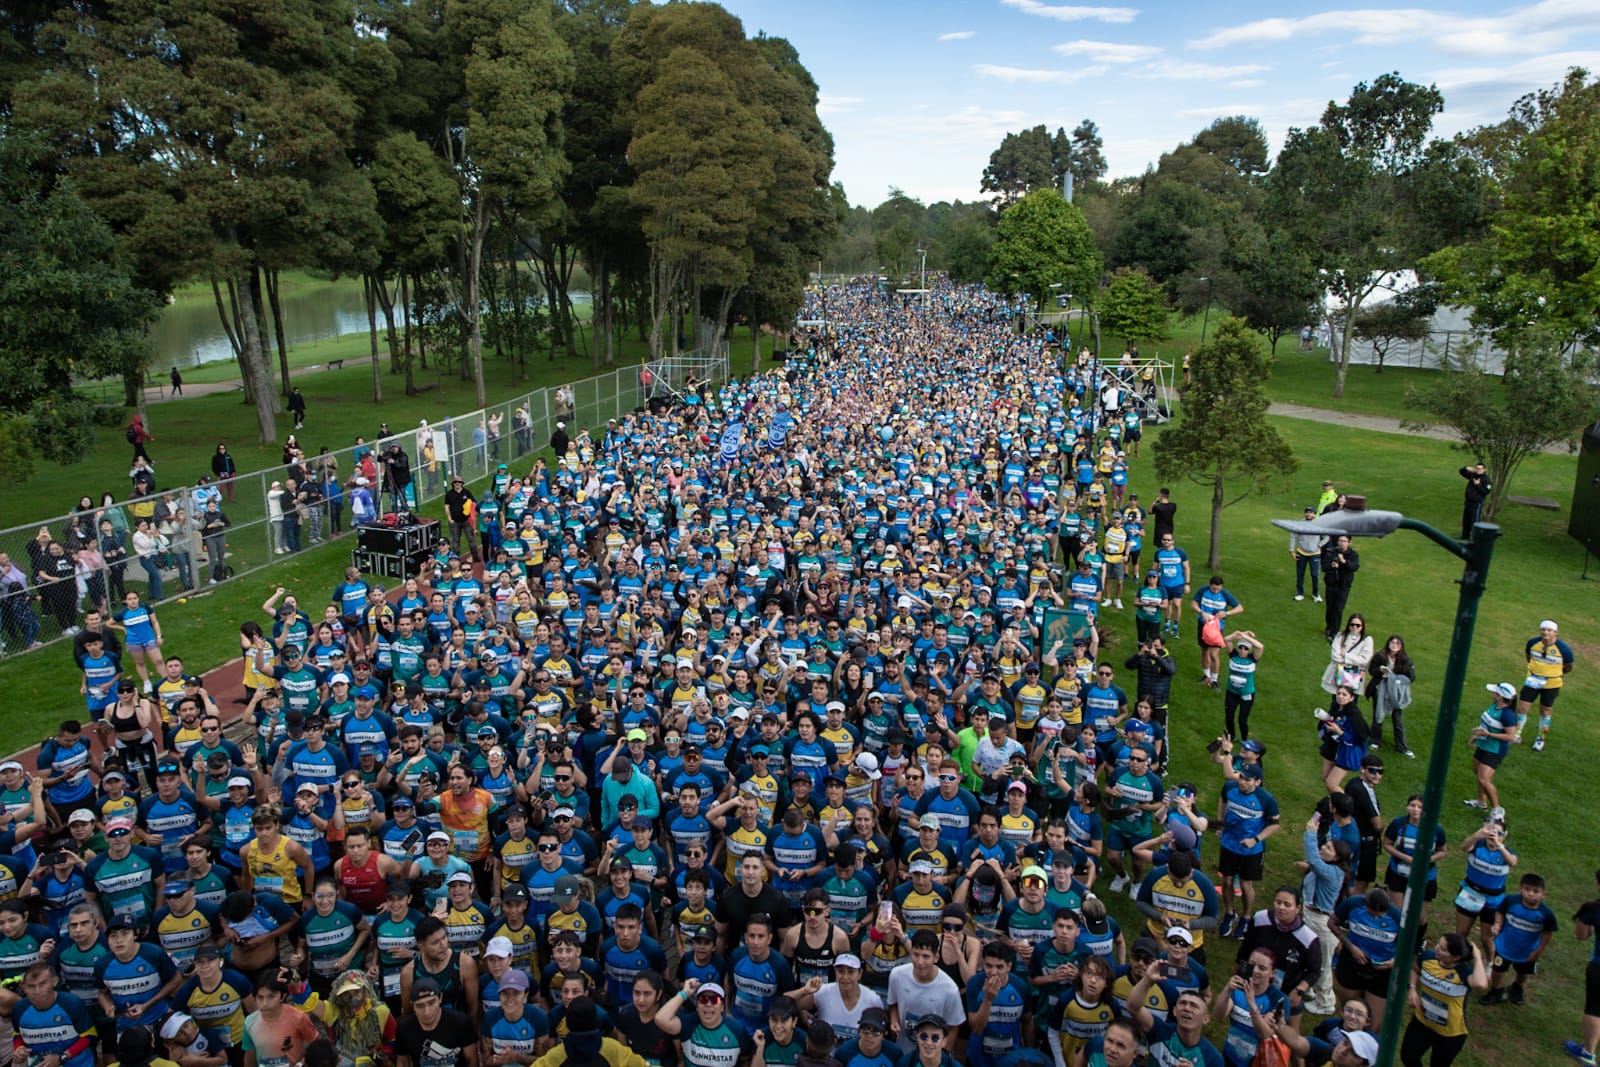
[{"x": 498, "y": 946}]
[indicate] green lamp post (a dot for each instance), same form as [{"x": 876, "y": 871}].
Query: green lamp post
[{"x": 1475, "y": 553}]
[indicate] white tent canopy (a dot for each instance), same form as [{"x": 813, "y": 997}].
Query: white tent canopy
[{"x": 1449, "y": 331}]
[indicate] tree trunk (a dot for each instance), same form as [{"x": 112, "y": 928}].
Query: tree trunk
[
  {"x": 514, "y": 298},
  {"x": 257, "y": 374},
  {"x": 755, "y": 340},
  {"x": 228, "y": 314},
  {"x": 371, "y": 300},
  {"x": 605, "y": 311},
  {"x": 277, "y": 328},
  {"x": 1214, "y": 560},
  {"x": 480, "y": 229}
]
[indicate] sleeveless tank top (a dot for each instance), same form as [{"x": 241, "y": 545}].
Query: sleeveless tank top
[
  {"x": 811, "y": 961},
  {"x": 451, "y": 992},
  {"x": 364, "y": 886},
  {"x": 275, "y": 872}
]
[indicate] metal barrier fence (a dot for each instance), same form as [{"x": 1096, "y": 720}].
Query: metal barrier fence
[{"x": 103, "y": 560}]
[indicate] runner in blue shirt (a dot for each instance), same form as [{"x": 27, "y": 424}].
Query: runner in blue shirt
[
  {"x": 1172, "y": 570},
  {"x": 49, "y": 1023},
  {"x": 996, "y": 1001},
  {"x": 1523, "y": 927},
  {"x": 1367, "y": 928},
  {"x": 1214, "y": 602}
]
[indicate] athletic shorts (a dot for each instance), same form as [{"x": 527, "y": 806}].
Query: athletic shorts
[
  {"x": 1545, "y": 697},
  {"x": 1591, "y": 990},
  {"x": 1361, "y": 977},
  {"x": 1115, "y": 571},
  {"x": 1172, "y": 592},
  {"x": 1488, "y": 759},
  {"x": 1244, "y": 866},
  {"x": 1396, "y": 883},
  {"x": 1117, "y": 841},
  {"x": 1501, "y": 965}
]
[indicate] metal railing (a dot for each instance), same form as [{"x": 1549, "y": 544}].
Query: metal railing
[{"x": 259, "y": 533}]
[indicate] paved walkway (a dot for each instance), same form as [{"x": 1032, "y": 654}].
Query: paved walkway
[{"x": 1380, "y": 423}]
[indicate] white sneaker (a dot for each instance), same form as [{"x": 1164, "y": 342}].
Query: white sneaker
[
  {"x": 1133, "y": 891},
  {"x": 1119, "y": 605},
  {"x": 1119, "y": 883},
  {"x": 1316, "y": 600},
  {"x": 1106, "y": 602},
  {"x": 147, "y": 686},
  {"x": 1299, "y": 596}
]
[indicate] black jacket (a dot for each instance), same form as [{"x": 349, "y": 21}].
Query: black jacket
[
  {"x": 1336, "y": 575},
  {"x": 1155, "y": 675}
]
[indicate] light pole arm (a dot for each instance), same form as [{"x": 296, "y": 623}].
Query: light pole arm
[{"x": 1474, "y": 578}]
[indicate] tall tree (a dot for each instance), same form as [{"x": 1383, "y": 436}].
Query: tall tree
[
  {"x": 1024, "y": 162},
  {"x": 204, "y": 141},
  {"x": 1342, "y": 188},
  {"x": 1088, "y": 162},
  {"x": 504, "y": 142},
  {"x": 1545, "y": 397},
  {"x": 1042, "y": 241},
  {"x": 1536, "y": 262},
  {"x": 68, "y": 306},
  {"x": 1134, "y": 307},
  {"x": 1222, "y": 440}
]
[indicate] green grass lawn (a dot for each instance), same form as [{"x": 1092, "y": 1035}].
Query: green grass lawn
[
  {"x": 339, "y": 408},
  {"x": 1405, "y": 586}
]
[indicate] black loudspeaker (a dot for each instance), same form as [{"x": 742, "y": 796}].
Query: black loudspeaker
[{"x": 1584, "y": 525}]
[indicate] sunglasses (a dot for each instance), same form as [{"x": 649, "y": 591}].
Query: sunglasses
[
  {"x": 549, "y": 848},
  {"x": 953, "y": 928},
  {"x": 563, "y": 777},
  {"x": 870, "y": 1030},
  {"x": 949, "y": 778},
  {"x": 816, "y": 911},
  {"x": 708, "y": 998},
  {"x": 930, "y": 1037}
]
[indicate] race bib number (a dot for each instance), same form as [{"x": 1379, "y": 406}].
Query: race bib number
[{"x": 1470, "y": 900}]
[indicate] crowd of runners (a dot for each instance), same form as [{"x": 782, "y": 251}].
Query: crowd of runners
[{"x": 736, "y": 737}]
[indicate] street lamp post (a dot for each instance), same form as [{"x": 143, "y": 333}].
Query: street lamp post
[
  {"x": 1211, "y": 287},
  {"x": 1475, "y": 552},
  {"x": 923, "y": 285}
]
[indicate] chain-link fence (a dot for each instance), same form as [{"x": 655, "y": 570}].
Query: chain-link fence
[{"x": 171, "y": 541}]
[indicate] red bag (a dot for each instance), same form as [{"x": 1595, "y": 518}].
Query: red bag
[{"x": 1211, "y": 633}]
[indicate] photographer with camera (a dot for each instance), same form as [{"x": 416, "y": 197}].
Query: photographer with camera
[
  {"x": 1154, "y": 667},
  {"x": 1249, "y": 1003}
]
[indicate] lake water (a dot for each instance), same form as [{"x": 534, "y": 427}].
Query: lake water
[{"x": 189, "y": 334}]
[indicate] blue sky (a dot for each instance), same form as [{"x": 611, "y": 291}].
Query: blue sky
[{"x": 918, "y": 95}]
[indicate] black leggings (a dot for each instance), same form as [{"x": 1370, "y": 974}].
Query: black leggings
[
  {"x": 1419, "y": 1041},
  {"x": 1232, "y": 702}
]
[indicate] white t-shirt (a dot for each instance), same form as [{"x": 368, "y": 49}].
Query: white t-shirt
[
  {"x": 939, "y": 998},
  {"x": 845, "y": 1021}
]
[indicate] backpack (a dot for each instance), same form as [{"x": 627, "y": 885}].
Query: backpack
[
  {"x": 1271, "y": 1052},
  {"x": 131, "y": 434}
]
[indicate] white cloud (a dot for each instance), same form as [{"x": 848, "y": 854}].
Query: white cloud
[
  {"x": 1032, "y": 76},
  {"x": 957, "y": 35},
  {"x": 1540, "y": 27},
  {"x": 1246, "y": 83},
  {"x": 833, "y": 104},
  {"x": 1184, "y": 70},
  {"x": 1073, "y": 12},
  {"x": 1516, "y": 78},
  {"x": 1106, "y": 51}
]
